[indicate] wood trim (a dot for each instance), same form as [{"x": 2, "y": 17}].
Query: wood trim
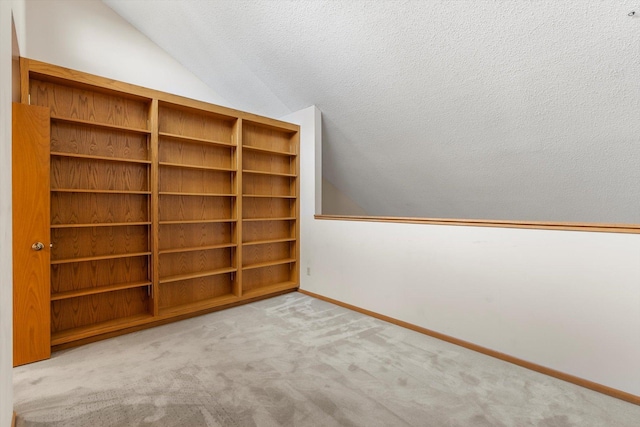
[
  {"x": 16, "y": 76},
  {"x": 541, "y": 225},
  {"x": 24, "y": 80},
  {"x": 298, "y": 242},
  {"x": 13, "y": 419},
  {"x": 154, "y": 207},
  {"x": 618, "y": 394},
  {"x": 238, "y": 214},
  {"x": 126, "y": 89}
]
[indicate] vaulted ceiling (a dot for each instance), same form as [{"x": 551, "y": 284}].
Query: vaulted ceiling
[{"x": 458, "y": 109}]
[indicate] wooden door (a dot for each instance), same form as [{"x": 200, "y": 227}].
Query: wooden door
[{"x": 31, "y": 234}]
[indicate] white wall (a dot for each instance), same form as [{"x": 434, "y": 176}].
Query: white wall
[
  {"x": 6, "y": 275},
  {"x": 88, "y": 36},
  {"x": 311, "y": 184},
  {"x": 566, "y": 300},
  {"x": 335, "y": 202}
]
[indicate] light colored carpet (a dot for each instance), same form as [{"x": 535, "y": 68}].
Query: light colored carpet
[{"x": 296, "y": 361}]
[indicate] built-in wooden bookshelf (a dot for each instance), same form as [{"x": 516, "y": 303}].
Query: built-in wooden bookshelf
[
  {"x": 100, "y": 189},
  {"x": 161, "y": 206},
  {"x": 197, "y": 156},
  {"x": 269, "y": 208}
]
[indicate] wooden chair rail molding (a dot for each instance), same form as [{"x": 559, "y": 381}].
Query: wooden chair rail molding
[
  {"x": 541, "y": 225},
  {"x": 618, "y": 394}
]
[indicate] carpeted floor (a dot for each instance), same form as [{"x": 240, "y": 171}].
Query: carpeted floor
[{"x": 296, "y": 361}]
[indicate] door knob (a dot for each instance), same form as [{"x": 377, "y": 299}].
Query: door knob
[{"x": 37, "y": 246}]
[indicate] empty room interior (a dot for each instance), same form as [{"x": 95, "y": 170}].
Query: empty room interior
[{"x": 319, "y": 213}]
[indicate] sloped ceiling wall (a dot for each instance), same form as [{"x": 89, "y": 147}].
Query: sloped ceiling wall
[{"x": 446, "y": 109}]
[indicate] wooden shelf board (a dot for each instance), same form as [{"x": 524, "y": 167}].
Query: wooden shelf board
[
  {"x": 91, "y": 157},
  {"x": 207, "y": 168},
  {"x": 197, "y": 248},
  {"x": 270, "y": 196},
  {"x": 98, "y": 290},
  {"x": 178, "y": 277},
  {"x": 75, "y": 334},
  {"x": 197, "y": 306},
  {"x": 99, "y": 257},
  {"x": 268, "y": 151},
  {"x": 178, "y": 193},
  {"x": 194, "y": 140},
  {"x": 283, "y": 218},
  {"x": 196, "y": 221},
  {"x": 86, "y": 190},
  {"x": 100, "y": 125},
  {"x": 178, "y": 104},
  {"x": 269, "y": 263},
  {"x": 265, "y": 290},
  {"x": 256, "y": 172},
  {"x": 264, "y": 242},
  {"x": 100, "y": 224}
]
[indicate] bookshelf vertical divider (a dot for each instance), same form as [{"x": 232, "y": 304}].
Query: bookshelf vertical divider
[
  {"x": 153, "y": 148},
  {"x": 237, "y": 136},
  {"x": 296, "y": 211},
  {"x": 162, "y": 207}
]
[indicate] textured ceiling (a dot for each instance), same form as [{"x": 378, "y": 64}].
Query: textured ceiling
[{"x": 458, "y": 109}]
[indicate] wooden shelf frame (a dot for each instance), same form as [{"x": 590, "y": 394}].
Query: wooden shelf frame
[
  {"x": 198, "y": 306},
  {"x": 207, "y": 168},
  {"x": 197, "y": 221},
  {"x": 99, "y": 257},
  {"x": 197, "y": 248},
  {"x": 98, "y": 290},
  {"x": 268, "y": 151},
  {"x": 97, "y": 329},
  {"x": 102, "y": 158},
  {"x": 102, "y": 125},
  {"x": 285, "y": 218},
  {"x": 88, "y": 190},
  {"x": 180, "y": 193},
  {"x": 161, "y": 136},
  {"x": 259, "y": 172},
  {"x": 194, "y": 140},
  {"x": 270, "y": 289},
  {"x": 267, "y": 241},
  {"x": 196, "y": 275},
  {"x": 270, "y": 196},
  {"x": 101, "y": 224},
  {"x": 269, "y": 263}
]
